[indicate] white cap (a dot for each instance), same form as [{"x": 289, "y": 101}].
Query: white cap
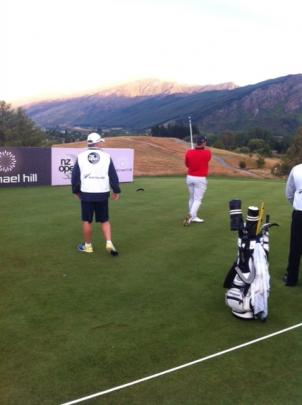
[{"x": 94, "y": 138}]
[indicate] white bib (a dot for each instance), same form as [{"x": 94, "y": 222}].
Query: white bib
[{"x": 94, "y": 167}]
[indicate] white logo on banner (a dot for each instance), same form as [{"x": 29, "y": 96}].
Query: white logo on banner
[
  {"x": 66, "y": 165},
  {"x": 122, "y": 163},
  {"x": 7, "y": 161}
]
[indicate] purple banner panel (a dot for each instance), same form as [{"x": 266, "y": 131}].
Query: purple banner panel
[
  {"x": 25, "y": 167},
  {"x": 63, "y": 160}
]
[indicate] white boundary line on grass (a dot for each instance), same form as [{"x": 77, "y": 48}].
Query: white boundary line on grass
[{"x": 171, "y": 370}]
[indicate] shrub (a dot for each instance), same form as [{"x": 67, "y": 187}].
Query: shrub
[
  {"x": 242, "y": 164},
  {"x": 260, "y": 162},
  {"x": 281, "y": 169},
  {"x": 244, "y": 149}
]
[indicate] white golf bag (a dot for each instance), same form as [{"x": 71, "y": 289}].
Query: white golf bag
[{"x": 248, "y": 280}]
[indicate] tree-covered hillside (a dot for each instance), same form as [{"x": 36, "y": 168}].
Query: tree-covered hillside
[
  {"x": 17, "y": 129},
  {"x": 274, "y": 105}
]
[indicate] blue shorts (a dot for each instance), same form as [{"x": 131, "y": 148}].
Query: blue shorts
[{"x": 99, "y": 208}]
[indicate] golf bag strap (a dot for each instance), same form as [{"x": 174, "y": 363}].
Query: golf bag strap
[
  {"x": 230, "y": 277},
  {"x": 251, "y": 276}
]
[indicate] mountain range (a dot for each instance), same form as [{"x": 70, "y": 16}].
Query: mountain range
[{"x": 274, "y": 104}]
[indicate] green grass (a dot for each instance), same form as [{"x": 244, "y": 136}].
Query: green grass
[{"x": 73, "y": 324}]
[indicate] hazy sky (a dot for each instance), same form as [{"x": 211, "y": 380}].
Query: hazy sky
[{"x": 62, "y": 47}]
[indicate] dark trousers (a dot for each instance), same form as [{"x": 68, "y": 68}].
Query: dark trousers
[{"x": 295, "y": 248}]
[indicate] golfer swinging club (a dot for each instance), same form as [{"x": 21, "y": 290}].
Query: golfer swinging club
[
  {"x": 92, "y": 176},
  {"x": 197, "y": 162}
]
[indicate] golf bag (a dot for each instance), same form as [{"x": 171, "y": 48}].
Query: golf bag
[{"x": 248, "y": 280}]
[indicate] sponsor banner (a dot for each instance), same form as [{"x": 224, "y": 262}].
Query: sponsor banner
[
  {"x": 63, "y": 160},
  {"x": 25, "y": 167},
  {"x": 123, "y": 160}
]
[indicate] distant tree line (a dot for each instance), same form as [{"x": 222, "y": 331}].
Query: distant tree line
[
  {"x": 16, "y": 129},
  {"x": 292, "y": 157},
  {"x": 257, "y": 140},
  {"x": 173, "y": 131},
  {"x": 57, "y": 136}
]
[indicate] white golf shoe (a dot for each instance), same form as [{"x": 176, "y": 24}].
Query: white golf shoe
[{"x": 196, "y": 219}]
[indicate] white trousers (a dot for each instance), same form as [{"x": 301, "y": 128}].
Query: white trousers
[{"x": 197, "y": 187}]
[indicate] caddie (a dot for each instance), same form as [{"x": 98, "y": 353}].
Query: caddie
[{"x": 93, "y": 177}]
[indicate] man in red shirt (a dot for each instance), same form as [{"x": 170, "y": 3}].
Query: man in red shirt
[{"x": 197, "y": 162}]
